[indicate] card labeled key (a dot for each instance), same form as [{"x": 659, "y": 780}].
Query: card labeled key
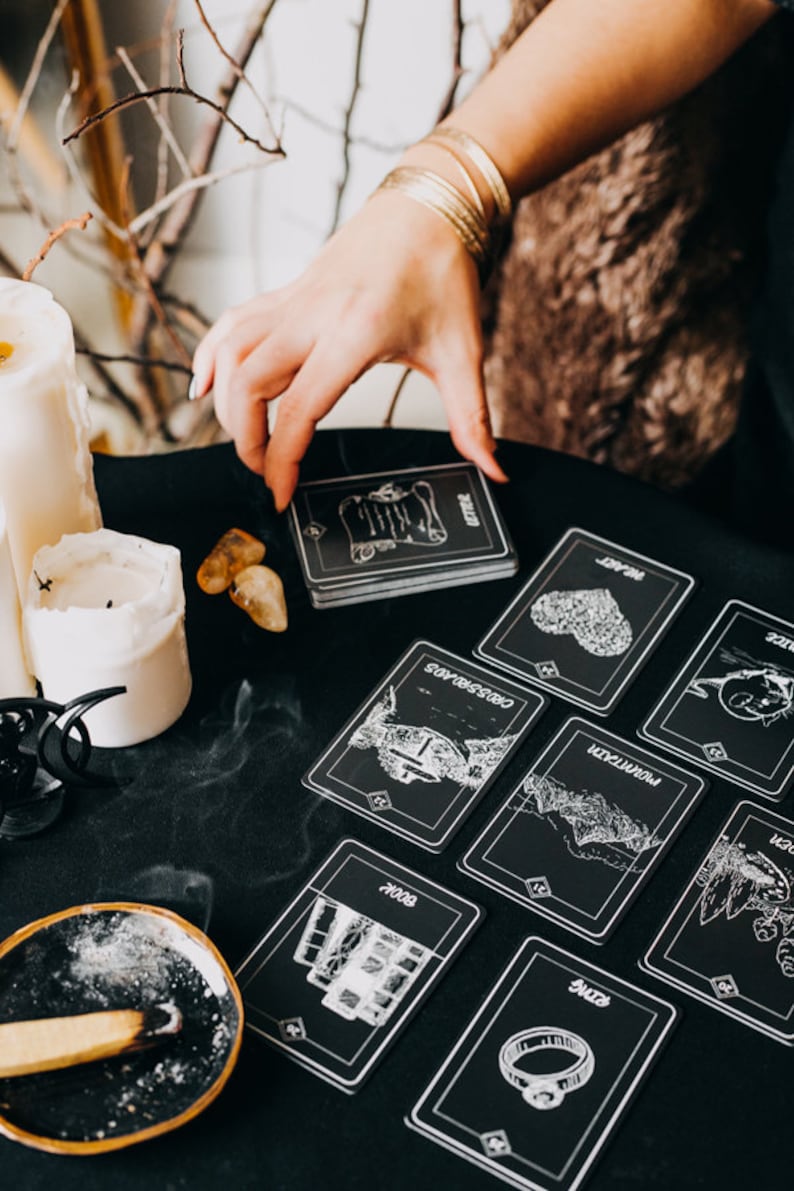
[
  {"x": 539, "y": 1078},
  {"x": 401, "y": 525},
  {"x": 730, "y": 939},
  {"x": 586, "y": 620},
  {"x": 584, "y": 829},
  {"x": 355, "y": 952},
  {"x": 423, "y": 748},
  {"x": 730, "y": 706}
]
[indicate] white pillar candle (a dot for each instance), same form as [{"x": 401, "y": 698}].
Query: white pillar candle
[
  {"x": 46, "y": 471},
  {"x": 108, "y": 609},
  {"x": 14, "y": 678}
]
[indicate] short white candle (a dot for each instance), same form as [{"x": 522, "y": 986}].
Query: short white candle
[
  {"x": 46, "y": 471},
  {"x": 14, "y": 678},
  {"x": 108, "y": 609}
]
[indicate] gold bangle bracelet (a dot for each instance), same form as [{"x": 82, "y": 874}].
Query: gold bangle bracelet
[
  {"x": 434, "y": 192},
  {"x": 483, "y": 162},
  {"x": 468, "y": 181}
]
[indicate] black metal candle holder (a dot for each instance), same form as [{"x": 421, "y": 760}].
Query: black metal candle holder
[{"x": 44, "y": 748}]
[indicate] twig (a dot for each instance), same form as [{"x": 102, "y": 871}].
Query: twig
[
  {"x": 458, "y": 28},
  {"x": 189, "y": 186},
  {"x": 152, "y": 93},
  {"x": 242, "y": 77},
  {"x": 334, "y": 130},
  {"x": 348, "y": 121},
  {"x": 161, "y": 183},
  {"x": 79, "y": 221},
  {"x": 142, "y": 361},
  {"x": 388, "y": 417},
  {"x": 166, "y": 132}
]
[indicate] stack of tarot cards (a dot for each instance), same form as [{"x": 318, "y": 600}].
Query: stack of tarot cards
[{"x": 389, "y": 533}]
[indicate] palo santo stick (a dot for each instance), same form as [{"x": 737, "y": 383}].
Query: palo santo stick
[{"x": 27, "y": 1047}]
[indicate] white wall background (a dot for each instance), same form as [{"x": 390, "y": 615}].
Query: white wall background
[{"x": 259, "y": 229}]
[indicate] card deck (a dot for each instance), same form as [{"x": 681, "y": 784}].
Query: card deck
[
  {"x": 387, "y": 533},
  {"x": 351, "y": 958},
  {"x": 420, "y": 752},
  {"x": 586, "y": 620},
  {"x": 540, "y": 1076},
  {"x": 582, "y": 832},
  {"x": 730, "y": 939},
  {"x": 729, "y": 708}
]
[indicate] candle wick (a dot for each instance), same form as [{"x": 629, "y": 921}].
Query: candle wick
[
  {"x": 44, "y": 584},
  {"x": 109, "y": 604}
]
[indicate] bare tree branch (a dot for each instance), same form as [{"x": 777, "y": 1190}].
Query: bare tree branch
[
  {"x": 361, "y": 30},
  {"x": 79, "y": 221}
]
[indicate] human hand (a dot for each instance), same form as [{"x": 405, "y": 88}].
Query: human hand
[{"x": 394, "y": 284}]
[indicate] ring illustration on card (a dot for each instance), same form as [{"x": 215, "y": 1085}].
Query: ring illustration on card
[{"x": 546, "y": 1089}]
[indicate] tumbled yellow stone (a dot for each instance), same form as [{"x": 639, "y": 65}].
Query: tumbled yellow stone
[
  {"x": 230, "y": 554},
  {"x": 260, "y": 592}
]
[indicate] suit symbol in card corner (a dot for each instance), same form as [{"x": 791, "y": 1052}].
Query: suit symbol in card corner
[
  {"x": 538, "y": 887},
  {"x": 591, "y": 616},
  {"x": 314, "y": 531},
  {"x": 292, "y": 1029},
  {"x": 751, "y": 690},
  {"x": 363, "y": 969},
  {"x": 409, "y": 752},
  {"x": 737, "y": 882},
  {"x": 495, "y": 1143},
  {"x": 390, "y": 516},
  {"x": 379, "y": 800}
]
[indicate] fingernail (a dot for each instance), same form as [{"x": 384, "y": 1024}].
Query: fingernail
[{"x": 192, "y": 391}]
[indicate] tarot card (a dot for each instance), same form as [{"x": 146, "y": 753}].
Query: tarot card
[
  {"x": 355, "y": 952},
  {"x": 586, "y": 620},
  {"x": 408, "y": 526},
  {"x": 540, "y": 1076},
  {"x": 584, "y": 829},
  {"x": 730, "y": 939},
  {"x": 730, "y": 706},
  {"x": 424, "y": 747}
]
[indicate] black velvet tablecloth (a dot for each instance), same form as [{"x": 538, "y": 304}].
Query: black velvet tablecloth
[{"x": 214, "y": 823}]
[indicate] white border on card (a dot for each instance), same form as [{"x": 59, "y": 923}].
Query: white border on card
[
  {"x": 499, "y": 545},
  {"x": 454, "y": 902},
  {"x": 552, "y": 953},
  {"x": 573, "y": 727},
  {"x": 733, "y": 827},
  {"x": 466, "y": 802},
  {"x": 705, "y": 647},
  {"x": 503, "y": 624}
]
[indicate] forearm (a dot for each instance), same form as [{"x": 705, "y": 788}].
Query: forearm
[{"x": 585, "y": 71}]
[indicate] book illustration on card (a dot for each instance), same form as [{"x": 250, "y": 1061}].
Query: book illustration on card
[
  {"x": 368, "y": 537},
  {"x": 363, "y": 968}
]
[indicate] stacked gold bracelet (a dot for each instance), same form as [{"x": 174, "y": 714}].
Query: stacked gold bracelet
[{"x": 466, "y": 215}]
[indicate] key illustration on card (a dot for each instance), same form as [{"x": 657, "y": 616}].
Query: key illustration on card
[
  {"x": 586, "y": 620},
  {"x": 383, "y": 534},
  {"x": 730, "y": 939},
  {"x": 538, "y": 1079},
  {"x": 355, "y": 952},
  {"x": 585, "y": 827},
  {"x": 422, "y": 750},
  {"x": 730, "y": 706}
]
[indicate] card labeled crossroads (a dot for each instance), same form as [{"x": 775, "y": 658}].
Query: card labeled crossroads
[
  {"x": 367, "y": 537},
  {"x": 730, "y": 706},
  {"x": 730, "y": 940},
  {"x": 423, "y": 748},
  {"x": 539, "y": 1078},
  {"x": 586, "y": 620},
  {"x": 584, "y": 829},
  {"x": 353, "y": 955}
]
